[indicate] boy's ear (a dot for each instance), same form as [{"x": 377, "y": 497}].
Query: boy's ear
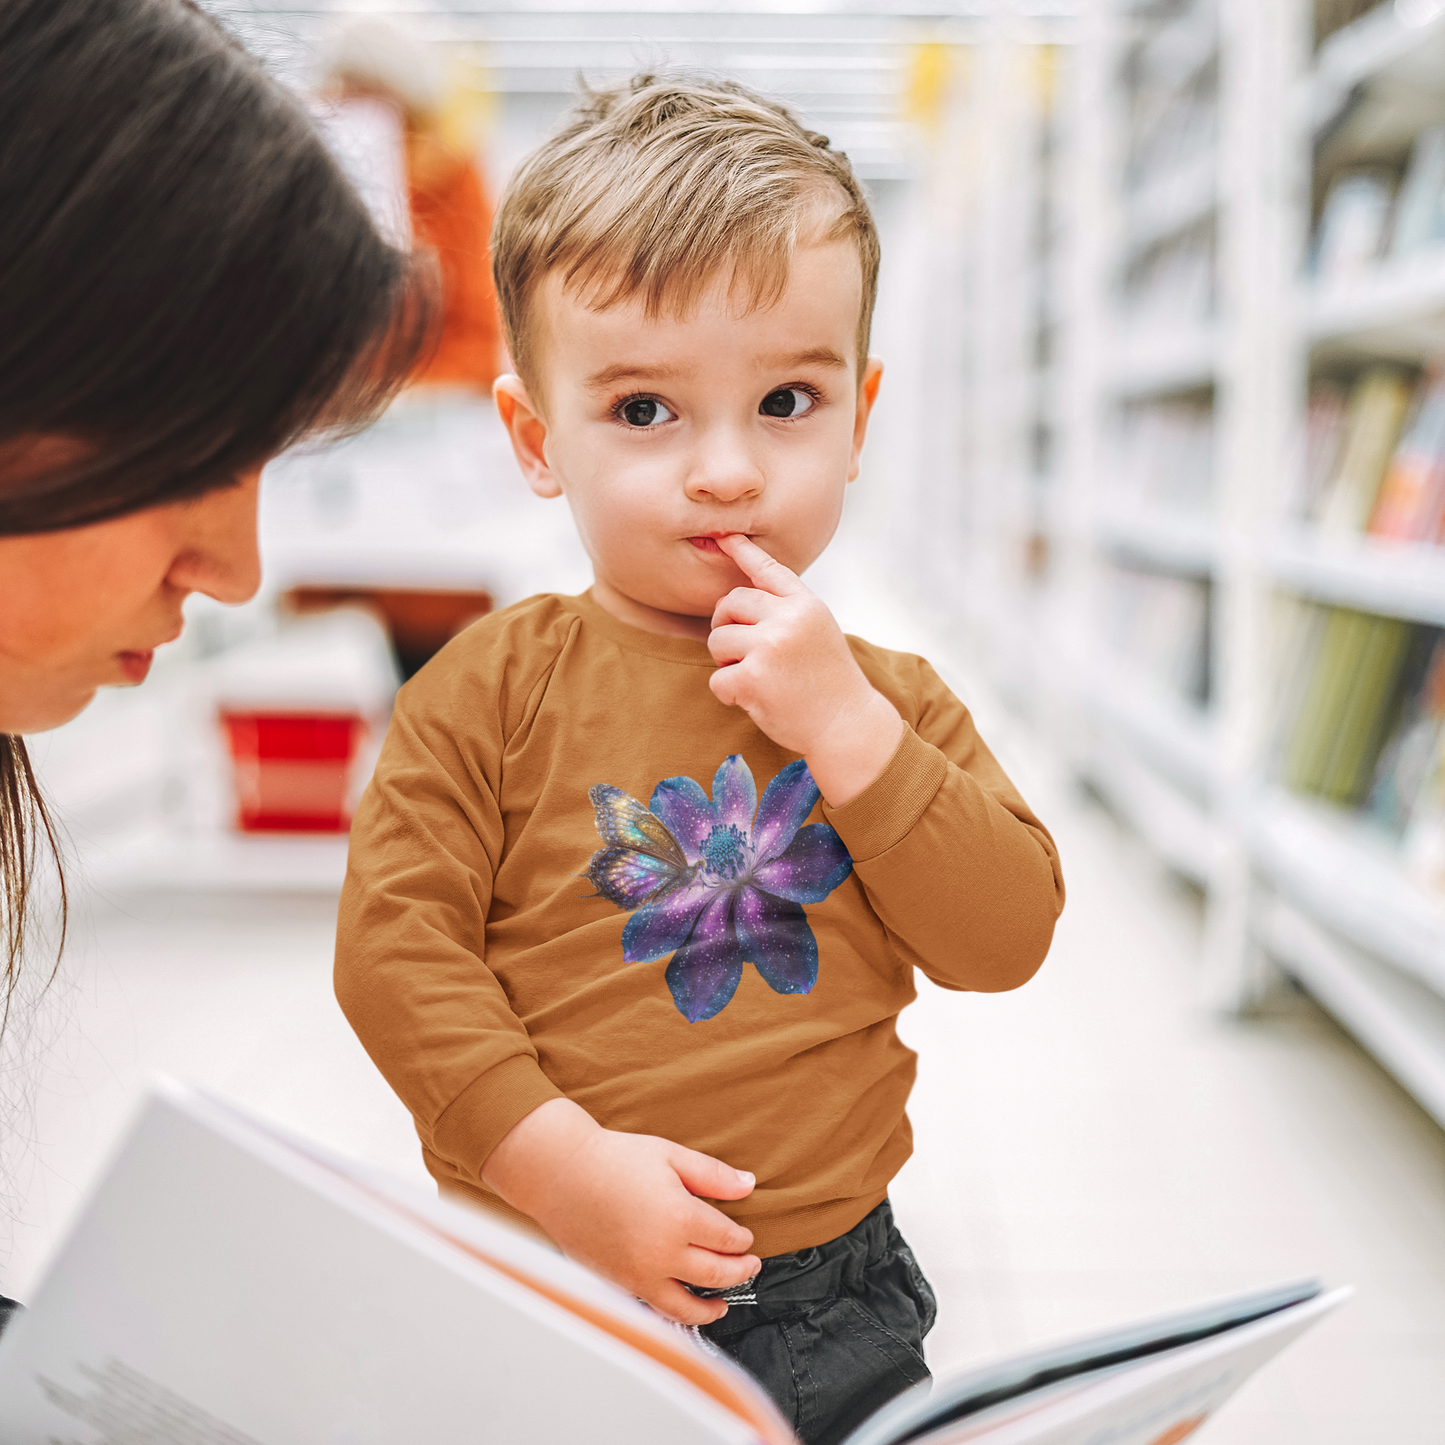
[
  {"x": 528, "y": 433},
  {"x": 867, "y": 395}
]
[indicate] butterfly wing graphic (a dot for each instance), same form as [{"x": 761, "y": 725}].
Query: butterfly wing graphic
[{"x": 642, "y": 861}]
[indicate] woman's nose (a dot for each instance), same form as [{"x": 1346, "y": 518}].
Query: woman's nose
[
  {"x": 724, "y": 471},
  {"x": 219, "y": 553}
]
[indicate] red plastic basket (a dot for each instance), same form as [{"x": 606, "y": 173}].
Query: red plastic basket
[{"x": 292, "y": 771}]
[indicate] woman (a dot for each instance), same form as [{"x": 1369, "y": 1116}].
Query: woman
[{"x": 187, "y": 286}]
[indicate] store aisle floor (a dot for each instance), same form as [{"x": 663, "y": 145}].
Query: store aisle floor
[
  {"x": 1092, "y": 1149},
  {"x": 1089, "y": 1148}
]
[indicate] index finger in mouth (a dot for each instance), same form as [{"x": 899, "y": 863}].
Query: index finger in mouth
[{"x": 763, "y": 571}]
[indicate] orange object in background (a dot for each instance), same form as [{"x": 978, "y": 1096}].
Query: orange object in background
[
  {"x": 293, "y": 770},
  {"x": 451, "y": 215}
]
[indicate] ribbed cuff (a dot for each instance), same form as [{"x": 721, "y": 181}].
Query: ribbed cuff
[
  {"x": 481, "y": 1116},
  {"x": 886, "y": 810}
]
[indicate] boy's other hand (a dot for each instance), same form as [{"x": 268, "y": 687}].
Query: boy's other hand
[
  {"x": 630, "y": 1206},
  {"x": 783, "y": 659}
]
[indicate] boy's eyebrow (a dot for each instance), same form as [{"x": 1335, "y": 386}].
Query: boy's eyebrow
[
  {"x": 609, "y": 376},
  {"x": 629, "y": 371},
  {"x": 813, "y": 356}
]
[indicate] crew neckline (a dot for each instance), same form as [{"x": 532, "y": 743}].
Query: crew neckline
[{"x": 685, "y": 650}]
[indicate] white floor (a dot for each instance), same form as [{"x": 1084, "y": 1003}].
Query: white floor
[{"x": 1089, "y": 1148}]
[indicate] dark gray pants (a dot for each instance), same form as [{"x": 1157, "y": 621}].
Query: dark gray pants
[{"x": 832, "y": 1332}]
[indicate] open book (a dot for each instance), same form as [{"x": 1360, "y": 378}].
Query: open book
[{"x": 229, "y": 1285}]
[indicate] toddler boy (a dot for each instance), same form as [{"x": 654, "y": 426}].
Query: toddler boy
[{"x": 637, "y": 892}]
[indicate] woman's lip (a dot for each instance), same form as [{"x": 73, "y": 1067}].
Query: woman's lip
[{"x": 135, "y": 665}]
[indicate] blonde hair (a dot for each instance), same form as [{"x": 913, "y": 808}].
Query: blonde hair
[{"x": 656, "y": 187}]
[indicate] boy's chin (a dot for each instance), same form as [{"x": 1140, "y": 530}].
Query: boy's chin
[{"x": 694, "y": 602}]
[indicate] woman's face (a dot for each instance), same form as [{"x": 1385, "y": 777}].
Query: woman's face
[{"x": 86, "y": 608}]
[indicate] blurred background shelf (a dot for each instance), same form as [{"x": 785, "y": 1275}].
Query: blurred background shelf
[
  {"x": 1397, "y": 310},
  {"x": 1392, "y": 578},
  {"x": 1173, "y": 541},
  {"x": 1170, "y": 203},
  {"x": 1170, "y": 820},
  {"x": 1156, "y": 504},
  {"x": 1165, "y": 360},
  {"x": 1342, "y": 873},
  {"x": 1174, "y": 738},
  {"x": 1401, "y": 1021},
  {"x": 1388, "y": 62}
]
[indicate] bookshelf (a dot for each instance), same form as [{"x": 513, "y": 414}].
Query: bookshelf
[{"x": 1198, "y": 142}]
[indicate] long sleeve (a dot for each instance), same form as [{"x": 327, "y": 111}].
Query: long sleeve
[
  {"x": 550, "y": 777},
  {"x": 411, "y": 972},
  {"x": 961, "y": 874}
]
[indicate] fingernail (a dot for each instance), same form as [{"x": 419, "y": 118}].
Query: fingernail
[{"x": 745, "y": 1178}]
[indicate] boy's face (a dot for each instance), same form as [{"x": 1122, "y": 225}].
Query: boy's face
[{"x": 666, "y": 433}]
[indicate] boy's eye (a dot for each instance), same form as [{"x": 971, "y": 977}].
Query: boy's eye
[
  {"x": 787, "y": 402},
  {"x": 644, "y": 411}
]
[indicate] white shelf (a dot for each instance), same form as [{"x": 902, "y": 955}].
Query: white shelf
[
  {"x": 166, "y": 862},
  {"x": 1177, "y": 740},
  {"x": 1379, "y": 47},
  {"x": 1394, "y": 579},
  {"x": 1179, "y": 50},
  {"x": 1341, "y": 873},
  {"x": 1169, "y": 820},
  {"x": 1157, "y": 362},
  {"x": 1398, "y": 309},
  {"x": 1173, "y": 203},
  {"x": 1399, "y": 1020},
  {"x": 1172, "y": 541}
]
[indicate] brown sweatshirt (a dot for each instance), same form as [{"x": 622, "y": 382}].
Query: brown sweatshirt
[{"x": 577, "y": 873}]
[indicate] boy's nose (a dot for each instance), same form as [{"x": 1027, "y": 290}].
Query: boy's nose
[{"x": 724, "y": 472}]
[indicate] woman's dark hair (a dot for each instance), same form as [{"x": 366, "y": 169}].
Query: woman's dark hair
[{"x": 188, "y": 285}]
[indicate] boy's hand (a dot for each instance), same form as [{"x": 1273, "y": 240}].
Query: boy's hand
[
  {"x": 628, "y": 1206},
  {"x": 784, "y": 660}
]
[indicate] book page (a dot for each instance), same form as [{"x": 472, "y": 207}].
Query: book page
[{"x": 219, "y": 1289}]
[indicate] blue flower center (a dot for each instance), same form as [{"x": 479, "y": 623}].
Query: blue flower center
[{"x": 725, "y": 851}]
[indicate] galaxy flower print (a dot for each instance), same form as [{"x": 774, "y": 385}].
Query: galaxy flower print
[{"x": 719, "y": 883}]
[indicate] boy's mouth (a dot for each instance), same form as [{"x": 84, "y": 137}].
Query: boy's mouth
[{"x": 708, "y": 542}]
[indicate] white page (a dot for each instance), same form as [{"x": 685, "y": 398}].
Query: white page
[
  {"x": 1157, "y": 1400},
  {"x": 221, "y": 1290}
]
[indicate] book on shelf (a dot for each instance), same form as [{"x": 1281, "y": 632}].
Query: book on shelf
[
  {"x": 1408, "y": 792},
  {"x": 230, "y": 1284},
  {"x": 1325, "y": 414},
  {"x": 1374, "y": 417},
  {"x": 1411, "y": 503},
  {"x": 1353, "y": 224},
  {"x": 1297, "y": 627},
  {"x": 1347, "y": 705}
]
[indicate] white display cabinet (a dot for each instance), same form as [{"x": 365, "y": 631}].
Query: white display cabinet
[{"x": 1195, "y": 139}]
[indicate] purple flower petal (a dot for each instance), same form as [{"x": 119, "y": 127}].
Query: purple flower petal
[
  {"x": 787, "y": 801},
  {"x": 815, "y": 863},
  {"x": 705, "y": 972},
  {"x": 734, "y": 794},
  {"x": 656, "y": 929},
  {"x": 774, "y": 936},
  {"x": 685, "y": 811}
]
